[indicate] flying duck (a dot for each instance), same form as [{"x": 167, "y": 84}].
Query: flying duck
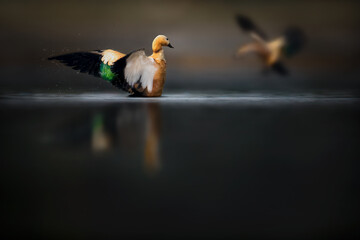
[
  {"x": 136, "y": 73},
  {"x": 271, "y": 52}
]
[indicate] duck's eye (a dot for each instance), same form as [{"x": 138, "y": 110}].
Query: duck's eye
[{"x": 167, "y": 39}]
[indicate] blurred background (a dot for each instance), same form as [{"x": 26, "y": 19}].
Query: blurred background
[
  {"x": 226, "y": 153},
  {"x": 204, "y": 33}
]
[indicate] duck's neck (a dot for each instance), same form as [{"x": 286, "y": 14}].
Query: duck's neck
[{"x": 158, "y": 53}]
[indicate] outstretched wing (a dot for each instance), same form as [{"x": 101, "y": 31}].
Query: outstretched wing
[
  {"x": 294, "y": 40},
  {"x": 247, "y": 25},
  {"x": 86, "y": 62},
  {"x": 135, "y": 70},
  {"x": 132, "y": 72}
]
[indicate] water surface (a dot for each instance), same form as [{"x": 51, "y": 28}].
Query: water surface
[{"x": 209, "y": 165}]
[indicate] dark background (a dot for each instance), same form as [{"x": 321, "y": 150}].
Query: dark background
[{"x": 204, "y": 33}]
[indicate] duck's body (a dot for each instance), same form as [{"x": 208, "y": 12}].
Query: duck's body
[
  {"x": 270, "y": 52},
  {"x": 134, "y": 72},
  {"x": 158, "y": 80}
]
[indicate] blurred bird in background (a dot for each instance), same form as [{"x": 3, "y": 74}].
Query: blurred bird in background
[
  {"x": 271, "y": 52},
  {"x": 135, "y": 72}
]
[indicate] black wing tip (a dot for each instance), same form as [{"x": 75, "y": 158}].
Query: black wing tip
[
  {"x": 70, "y": 54},
  {"x": 60, "y": 57},
  {"x": 85, "y": 62},
  {"x": 247, "y": 25},
  {"x": 245, "y": 22},
  {"x": 52, "y": 58},
  {"x": 295, "y": 40}
]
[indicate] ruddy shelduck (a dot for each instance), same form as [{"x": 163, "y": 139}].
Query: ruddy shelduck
[
  {"x": 136, "y": 73},
  {"x": 270, "y": 52}
]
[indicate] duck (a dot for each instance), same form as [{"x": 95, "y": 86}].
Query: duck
[
  {"x": 135, "y": 73},
  {"x": 271, "y": 52}
]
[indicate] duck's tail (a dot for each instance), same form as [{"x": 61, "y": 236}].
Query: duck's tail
[{"x": 279, "y": 68}]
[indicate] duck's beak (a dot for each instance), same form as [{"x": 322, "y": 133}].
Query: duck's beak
[{"x": 170, "y": 46}]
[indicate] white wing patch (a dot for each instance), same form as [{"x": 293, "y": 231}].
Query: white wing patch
[{"x": 139, "y": 66}]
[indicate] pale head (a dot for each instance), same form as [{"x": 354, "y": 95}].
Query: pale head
[{"x": 159, "y": 42}]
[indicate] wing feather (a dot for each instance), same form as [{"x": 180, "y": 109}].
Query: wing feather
[
  {"x": 295, "y": 40},
  {"x": 86, "y": 62},
  {"x": 247, "y": 25},
  {"x": 132, "y": 72},
  {"x": 136, "y": 68}
]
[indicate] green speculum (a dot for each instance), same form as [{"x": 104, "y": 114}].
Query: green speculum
[{"x": 106, "y": 73}]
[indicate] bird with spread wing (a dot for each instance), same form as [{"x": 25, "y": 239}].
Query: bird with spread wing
[
  {"x": 136, "y": 73},
  {"x": 271, "y": 52}
]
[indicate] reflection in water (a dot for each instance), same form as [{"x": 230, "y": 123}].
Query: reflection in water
[
  {"x": 152, "y": 138},
  {"x": 260, "y": 166},
  {"x": 125, "y": 127}
]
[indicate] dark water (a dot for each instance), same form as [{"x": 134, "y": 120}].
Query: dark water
[{"x": 186, "y": 165}]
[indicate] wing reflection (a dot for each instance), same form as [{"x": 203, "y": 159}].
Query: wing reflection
[{"x": 100, "y": 139}]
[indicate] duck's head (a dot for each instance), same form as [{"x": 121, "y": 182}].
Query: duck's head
[{"x": 161, "y": 41}]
